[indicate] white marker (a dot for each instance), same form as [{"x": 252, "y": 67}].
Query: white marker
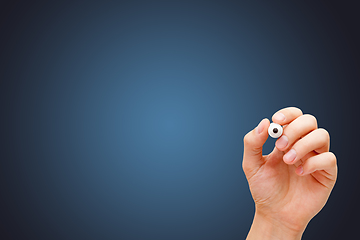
[{"x": 275, "y": 130}]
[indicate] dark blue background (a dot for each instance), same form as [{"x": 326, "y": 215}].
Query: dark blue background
[{"x": 124, "y": 120}]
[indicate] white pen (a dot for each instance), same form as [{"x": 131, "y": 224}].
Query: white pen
[{"x": 275, "y": 130}]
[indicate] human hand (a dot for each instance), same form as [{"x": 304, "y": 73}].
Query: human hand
[{"x": 291, "y": 184}]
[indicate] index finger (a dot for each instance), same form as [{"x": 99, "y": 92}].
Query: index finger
[{"x": 286, "y": 115}]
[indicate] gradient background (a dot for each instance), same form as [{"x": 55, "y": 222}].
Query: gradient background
[{"x": 124, "y": 120}]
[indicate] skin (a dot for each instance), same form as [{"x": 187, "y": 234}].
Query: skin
[{"x": 288, "y": 193}]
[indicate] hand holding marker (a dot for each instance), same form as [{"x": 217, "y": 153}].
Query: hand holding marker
[{"x": 291, "y": 184}]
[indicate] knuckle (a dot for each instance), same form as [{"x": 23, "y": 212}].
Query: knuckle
[
  {"x": 246, "y": 139},
  {"x": 311, "y": 119},
  {"x": 246, "y": 168},
  {"x": 332, "y": 159},
  {"x": 293, "y": 130},
  {"x": 296, "y": 110},
  {"x": 309, "y": 166},
  {"x": 302, "y": 145},
  {"x": 325, "y": 136}
]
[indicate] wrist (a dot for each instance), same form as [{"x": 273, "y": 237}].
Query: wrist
[{"x": 267, "y": 228}]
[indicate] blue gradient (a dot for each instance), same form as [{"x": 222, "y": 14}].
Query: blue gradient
[{"x": 124, "y": 120}]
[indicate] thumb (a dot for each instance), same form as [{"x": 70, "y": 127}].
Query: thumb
[{"x": 253, "y": 143}]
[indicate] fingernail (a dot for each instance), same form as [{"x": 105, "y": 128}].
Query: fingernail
[
  {"x": 282, "y": 142},
  {"x": 260, "y": 127},
  {"x": 279, "y": 117},
  {"x": 290, "y": 156},
  {"x": 299, "y": 170}
]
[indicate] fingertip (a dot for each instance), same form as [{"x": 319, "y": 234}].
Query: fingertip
[
  {"x": 286, "y": 115},
  {"x": 257, "y": 137},
  {"x": 282, "y": 143},
  {"x": 278, "y": 117},
  {"x": 264, "y": 124},
  {"x": 299, "y": 170}
]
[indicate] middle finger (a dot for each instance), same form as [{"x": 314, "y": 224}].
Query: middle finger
[{"x": 298, "y": 128}]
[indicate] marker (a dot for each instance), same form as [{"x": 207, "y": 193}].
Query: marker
[{"x": 275, "y": 130}]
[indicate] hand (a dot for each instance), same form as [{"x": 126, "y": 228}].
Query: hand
[{"x": 291, "y": 184}]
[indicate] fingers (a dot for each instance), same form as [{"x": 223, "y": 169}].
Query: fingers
[
  {"x": 297, "y": 129},
  {"x": 286, "y": 115},
  {"x": 317, "y": 140},
  {"x": 302, "y": 140},
  {"x": 253, "y": 143},
  {"x": 325, "y": 161}
]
